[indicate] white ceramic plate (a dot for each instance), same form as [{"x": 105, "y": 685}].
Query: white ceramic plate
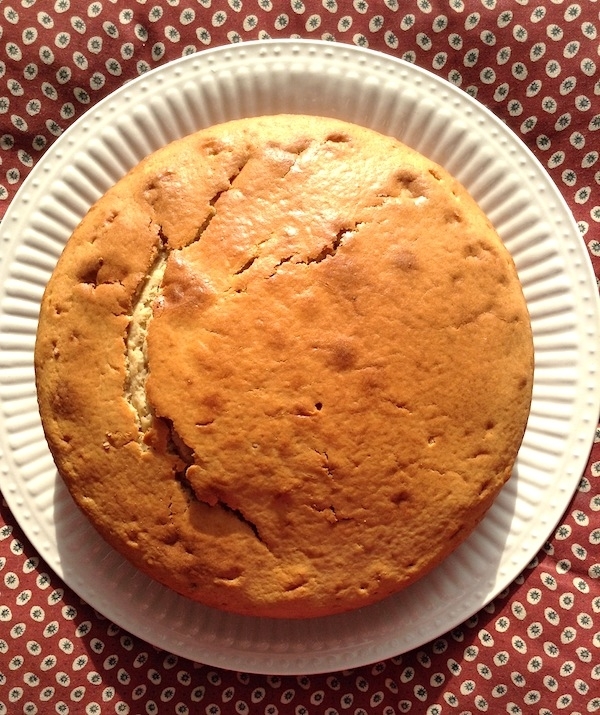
[{"x": 442, "y": 122}]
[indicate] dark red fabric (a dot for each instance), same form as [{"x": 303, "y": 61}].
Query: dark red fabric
[{"x": 536, "y": 647}]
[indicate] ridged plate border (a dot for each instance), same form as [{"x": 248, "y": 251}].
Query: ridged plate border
[{"x": 393, "y": 97}]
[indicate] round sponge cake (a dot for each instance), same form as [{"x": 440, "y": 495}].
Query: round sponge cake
[{"x": 284, "y": 366}]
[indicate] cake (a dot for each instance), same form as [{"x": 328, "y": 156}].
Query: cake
[{"x": 284, "y": 366}]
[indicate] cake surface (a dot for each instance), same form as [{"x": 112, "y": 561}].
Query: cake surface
[{"x": 284, "y": 366}]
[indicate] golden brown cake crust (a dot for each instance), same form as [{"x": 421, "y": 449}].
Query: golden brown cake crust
[{"x": 285, "y": 366}]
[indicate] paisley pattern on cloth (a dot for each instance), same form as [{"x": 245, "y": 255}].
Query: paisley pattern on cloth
[{"x": 536, "y": 647}]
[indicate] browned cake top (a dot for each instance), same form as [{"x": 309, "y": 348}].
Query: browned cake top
[{"x": 284, "y": 366}]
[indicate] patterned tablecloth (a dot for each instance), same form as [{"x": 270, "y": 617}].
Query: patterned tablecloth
[{"x": 536, "y": 647}]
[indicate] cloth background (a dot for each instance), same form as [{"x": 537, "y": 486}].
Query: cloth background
[{"x": 536, "y": 647}]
